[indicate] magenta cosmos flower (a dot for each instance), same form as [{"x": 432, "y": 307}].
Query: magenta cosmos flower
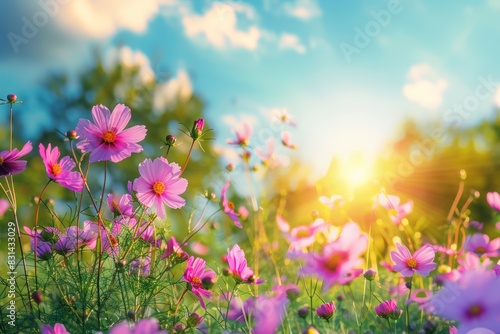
[
  {"x": 243, "y": 132},
  {"x": 228, "y": 207},
  {"x": 9, "y": 160},
  {"x": 160, "y": 184},
  {"x": 108, "y": 139},
  {"x": 388, "y": 309},
  {"x": 238, "y": 265},
  {"x": 473, "y": 301},
  {"x": 194, "y": 275},
  {"x": 421, "y": 261},
  {"x": 493, "y": 199},
  {"x": 143, "y": 326},
  {"x": 58, "y": 329},
  {"x": 60, "y": 172},
  {"x": 395, "y": 210},
  {"x": 339, "y": 261},
  {"x": 481, "y": 244}
]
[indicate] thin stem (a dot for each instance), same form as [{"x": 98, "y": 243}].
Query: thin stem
[
  {"x": 100, "y": 250},
  {"x": 187, "y": 158},
  {"x": 35, "y": 240},
  {"x": 10, "y": 139},
  {"x": 407, "y": 316}
]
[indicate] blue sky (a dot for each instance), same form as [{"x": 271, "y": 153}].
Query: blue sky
[{"x": 350, "y": 72}]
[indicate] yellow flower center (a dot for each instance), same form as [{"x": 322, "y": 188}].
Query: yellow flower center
[
  {"x": 480, "y": 249},
  {"x": 303, "y": 234},
  {"x": 334, "y": 261},
  {"x": 1, "y": 160},
  {"x": 55, "y": 169},
  {"x": 411, "y": 263},
  {"x": 158, "y": 187},
  {"x": 109, "y": 137},
  {"x": 475, "y": 311},
  {"x": 231, "y": 205},
  {"x": 196, "y": 282}
]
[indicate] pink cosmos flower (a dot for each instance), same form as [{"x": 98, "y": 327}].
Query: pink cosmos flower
[
  {"x": 4, "y": 206},
  {"x": 141, "y": 266},
  {"x": 304, "y": 236},
  {"x": 481, "y": 244},
  {"x": 388, "y": 309},
  {"x": 420, "y": 262},
  {"x": 493, "y": 199},
  {"x": 58, "y": 329},
  {"x": 174, "y": 248},
  {"x": 283, "y": 116},
  {"x": 108, "y": 139},
  {"x": 160, "y": 184},
  {"x": 333, "y": 201},
  {"x": 471, "y": 261},
  {"x": 143, "y": 326},
  {"x": 339, "y": 261},
  {"x": 286, "y": 139},
  {"x": 269, "y": 157},
  {"x": 65, "y": 245},
  {"x": 10, "y": 163},
  {"x": 396, "y": 211},
  {"x": 122, "y": 206},
  {"x": 269, "y": 313},
  {"x": 43, "y": 248},
  {"x": 60, "y": 172},
  {"x": 84, "y": 236},
  {"x": 420, "y": 296},
  {"x": 473, "y": 301},
  {"x": 243, "y": 132},
  {"x": 194, "y": 274},
  {"x": 238, "y": 265},
  {"x": 325, "y": 311},
  {"x": 228, "y": 207},
  {"x": 453, "y": 330}
]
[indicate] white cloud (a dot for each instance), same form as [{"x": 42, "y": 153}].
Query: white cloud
[
  {"x": 176, "y": 89},
  {"x": 127, "y": 57},
  {"x": 303, "y": 9},
  {"x": 219, "y": 26},
  {"x": 496, "y": 98},
  {"x": 425, "y": 88},
  {"x": 101, "y": 19},
  {"x": 291, "y": 42}
]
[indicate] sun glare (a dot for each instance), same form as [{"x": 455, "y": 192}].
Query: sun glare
[{"x": 357, "y": 171}]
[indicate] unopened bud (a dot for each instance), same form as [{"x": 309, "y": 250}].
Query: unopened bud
[
  {"x": 37, "y": 296},
  {"x": 11, "y": 98},
  {"x": 72, "y": 134},
  {"x": 170, "y": 140}
]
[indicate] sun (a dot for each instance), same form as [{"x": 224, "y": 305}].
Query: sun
[{"x": 357, "y": 170}]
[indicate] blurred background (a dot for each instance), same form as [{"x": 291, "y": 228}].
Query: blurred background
[{"x": 394, "y": 96}]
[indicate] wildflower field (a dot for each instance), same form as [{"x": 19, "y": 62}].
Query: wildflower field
[{"x": 124, "y": 261}]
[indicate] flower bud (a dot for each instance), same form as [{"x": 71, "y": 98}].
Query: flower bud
[
  {"x": 170, "y": 140},
  {"x": 314, "y": 214},
  {"x": 303, "y": 312},
  {"x": 72, "y": 134},
  {"x": 370, "y": 274},
  {"x": 208, "y": 282},
  {"x": 293, "y": 292},
  {"x": 37, "y": 296},
  {"x": 179, "y": 328},
  {"x": 230, "y": 167},
  {"x": 197, "y": 129},
  {"x": 131, "y": 315},
  {"x": 194, "y": 320},
  {"x": 11, "y": 98},
  {"x": 325, "y": 311},
  {"x": 226, "y": 272}
]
